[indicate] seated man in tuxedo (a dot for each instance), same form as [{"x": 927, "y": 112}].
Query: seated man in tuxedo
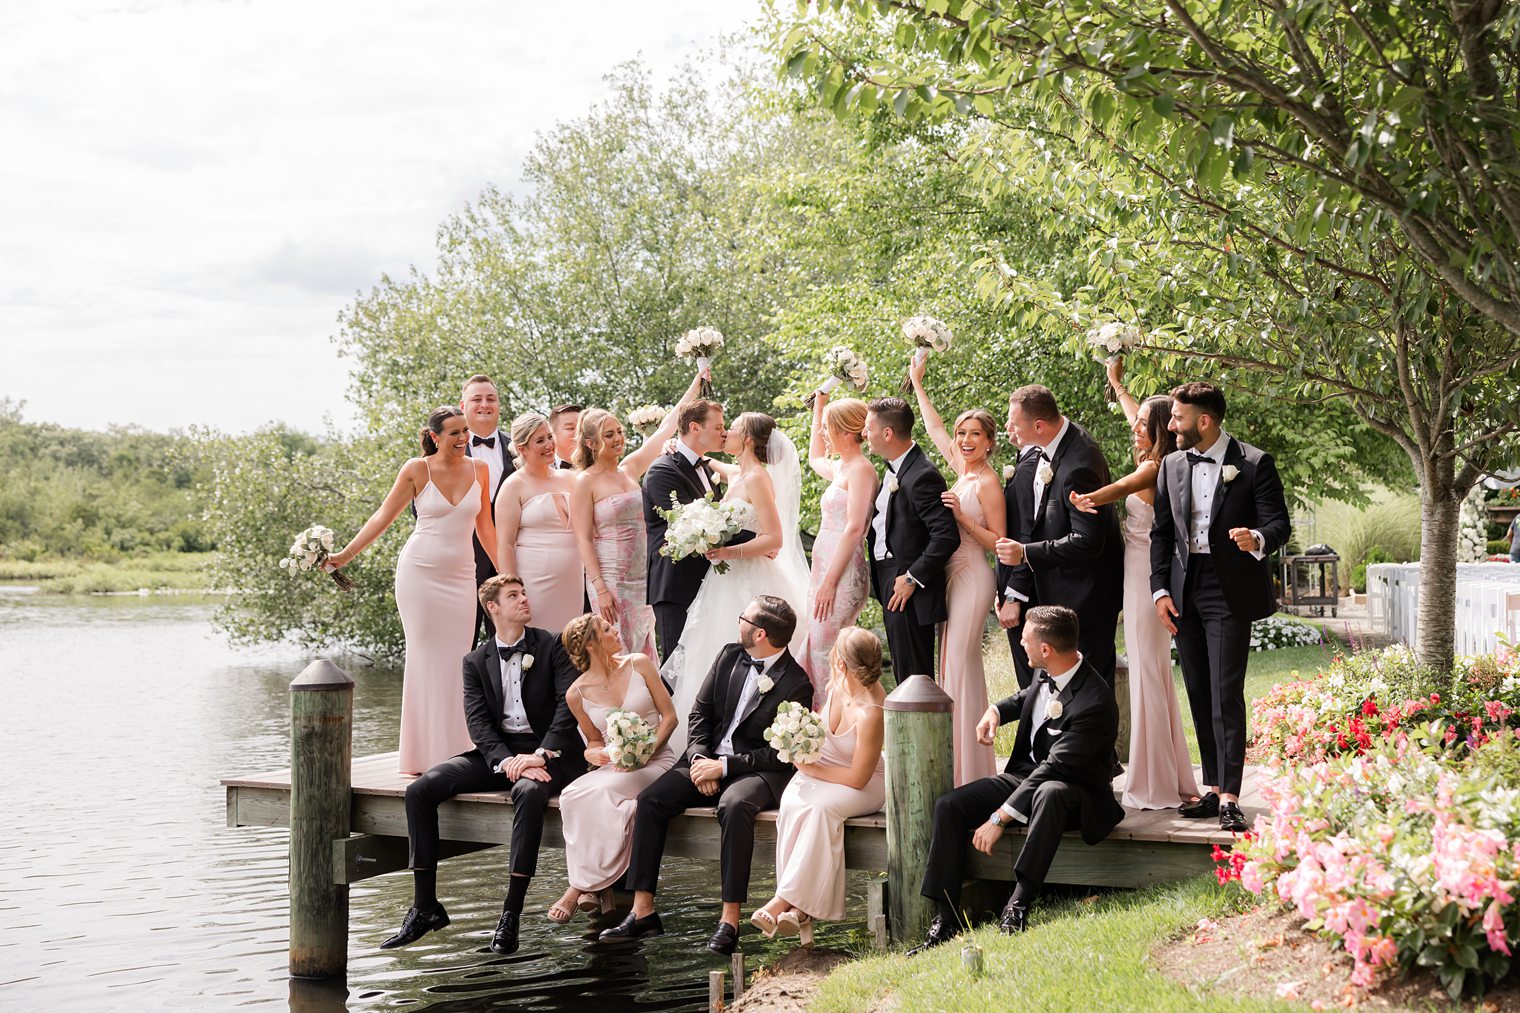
[
  {"x": 526, "y": 742},
  {"x": 727, "y": 763},
  {"x": 1057, "y": 778}
]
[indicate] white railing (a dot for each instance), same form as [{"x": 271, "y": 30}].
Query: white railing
[{"x": 1487, "y": 607}]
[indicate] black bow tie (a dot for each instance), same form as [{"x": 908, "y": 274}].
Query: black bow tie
[
  {"x": 1046, "y": 680},
  {"x": 755, "y": 664},
  {"x": 488, "y": 441},
  {"x": 521, "y": 647},
  {"x": 1197, "y": 459}
]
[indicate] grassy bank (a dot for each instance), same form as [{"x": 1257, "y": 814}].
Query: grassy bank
[{"x": 159, "y": 571}]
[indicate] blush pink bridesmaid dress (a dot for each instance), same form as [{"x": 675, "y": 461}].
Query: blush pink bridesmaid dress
[{"x": 969, "y": 593}]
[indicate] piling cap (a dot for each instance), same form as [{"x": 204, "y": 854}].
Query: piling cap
[
  {"x": 918, "y": 693},
  {"x": 321, "y": 675}
]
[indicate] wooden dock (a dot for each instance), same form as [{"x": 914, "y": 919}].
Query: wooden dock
[{"x": 1148, "y": 847}]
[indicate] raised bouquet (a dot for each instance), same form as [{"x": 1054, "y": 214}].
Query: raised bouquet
[
  {"x": 701, "y": 525},
  {"x": 927, "y": 335},
  {"x": 699, "y": 346},
  {"x": 796, "y": 734},
  {"x": 310, "y": 551},
  {"x": 844, "y": 366},
  {"x": 1113, "y": 339},
  {"x": 646, "y": 419},
  {"x": 630, "y": 739}
]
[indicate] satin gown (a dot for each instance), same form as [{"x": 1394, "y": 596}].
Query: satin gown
[
  {"x": 435, "y": 594},
  {"x": 970, "y": 591},
  {"x": 597, "y": 809},
  {"x": 620, "y": 540},
  {"x": 850, "y": 596},
  {"x": 1160, "y": 769},
  {"x": 810, "y": 830},
  {"x": 549, "y": 562}
]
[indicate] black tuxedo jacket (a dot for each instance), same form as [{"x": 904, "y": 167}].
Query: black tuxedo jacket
[
  {"x": 1078, "y": 748},
  {"x": 483, "y": 568},
  {"x": 921, "y": 534},
  {"x": 1253, "y": 499},
  {"x": 675, "y": 583},
  {"x": 1073, "y": 558},
  {"x": 543, "y": 688},
  {"x": 714, "y": 708}
]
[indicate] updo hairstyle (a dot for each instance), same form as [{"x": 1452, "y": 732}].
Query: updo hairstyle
[
  {"x": 858, "y": 652},
  {"x": 845, "y": 419},
  {"x": 580, "y": 633},
  {"x": 757, "y": 426},
  {"x": 523, "y": 428},
  {"x": 434, "y": 429}
]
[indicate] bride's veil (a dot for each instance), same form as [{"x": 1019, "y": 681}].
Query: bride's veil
[{"x": 786, "y": 476}]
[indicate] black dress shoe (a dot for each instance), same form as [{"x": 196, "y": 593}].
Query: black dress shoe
[
  {"x": 633, "y": 927},
  {"x": 940, "y": 931},
  {"x": 1205, "y": 808},
  {"x": 1231, "y": 818},
  {"x": 504, "y": 940},
  {"x": 725, "y": 940},
  {"x": 1015, "y": 918},
  {"x": 415, "y": 925}
]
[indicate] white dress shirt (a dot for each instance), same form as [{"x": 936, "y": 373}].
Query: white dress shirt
[
  {"x": 1037, "y": 719},
  {"x": 514, "y": 716},
  {"x": 1204, "y": 480},
  {"x": 492, "y": 458},
  {"x": 750, "y": 691},
  {"x": 1049, "y": 451},
  {"x": 883, "y": 500},
  {"x": 692, "y": 457}
]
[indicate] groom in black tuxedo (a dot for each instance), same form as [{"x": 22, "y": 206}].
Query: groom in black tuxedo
[
  {"x": 685, "y": 475},
  {"x": 1057, "y": 778},
  {"x": 727, "y": 762},
  {"x": 911, "y": 538},
  {"x": 1059, "y": 555},
  {"x": 481, "y": 405},
  {"x": 1220, "y": 513},
  {"x": 526, "y": 742}
]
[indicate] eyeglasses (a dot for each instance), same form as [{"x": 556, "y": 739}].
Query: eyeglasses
[{"x": 746, "y": 619}]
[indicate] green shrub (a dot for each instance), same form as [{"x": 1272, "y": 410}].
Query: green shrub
[
  {"x": 1359, "y": 572},
  {"x": 1498, "y": 546},
  {"x": 1391, "y": 522}
]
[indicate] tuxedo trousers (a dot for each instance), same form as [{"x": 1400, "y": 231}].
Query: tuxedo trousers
[
  {"x": 669, "y": 624},
  {"x": 1022, "y": 669},
  {"x": 484, "y": 571},
  {"x": 910, "y": 643},
  {"x": 468, "y": 772},
  {"x": 739, "y": 800},
  {"x": 1213, "y": 646},
  {"x": 1057, "y": 808}
]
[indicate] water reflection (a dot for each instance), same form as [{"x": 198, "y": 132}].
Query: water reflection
[{"x": 122, "y": 889}]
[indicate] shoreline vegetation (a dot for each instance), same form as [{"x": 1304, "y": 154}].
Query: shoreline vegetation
[{"x": 152, "y": 573}]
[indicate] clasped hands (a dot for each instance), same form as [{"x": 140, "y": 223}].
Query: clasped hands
[
  {"x": 706, "y": 775},
  {"x": 529, "y": 765}
]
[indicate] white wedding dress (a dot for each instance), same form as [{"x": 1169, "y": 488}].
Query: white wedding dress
[{"x": 712, "y": 621}]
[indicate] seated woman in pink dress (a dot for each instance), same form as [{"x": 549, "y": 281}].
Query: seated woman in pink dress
[
  {"x": 1160, "y": 770},
  {"x": 849, "y": 779},
  {"x": 534, "y": 539},
  {"x": 607, "y": 512},
  {"x": 840, "y": 579},
  {"x": 597, "y": 809}
]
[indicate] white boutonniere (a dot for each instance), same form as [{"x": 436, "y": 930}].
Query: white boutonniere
[
  {"x": 1046, "y": 473},
  {"x": 1053, "y": 710},
  {"x": 766, "y": 684},
  {"x": 1008, "y": 471},
  {"x": 1229, "y": 472},
  {"x": 527, "y": 662},
  {"x": 891, "y": 483}
]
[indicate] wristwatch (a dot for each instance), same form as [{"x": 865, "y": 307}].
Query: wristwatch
[
  {"x": 996, "y": 819},
  {"x": 545, "y": 754}
]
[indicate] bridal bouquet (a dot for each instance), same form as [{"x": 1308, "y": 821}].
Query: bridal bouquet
[
  {"x": 699, "y": 345},
  {"x": 702, "y": 524},
  {"x": 646, "y": 419},
  {"x": 630, "y": 739},
  {"x": 310, "y": 551},
  {"x": 1113, "y": 339},
  {"x": 796, "y": 734},
  {"x": 928, "y": 335},
  {"x": 844, "y": 367}
]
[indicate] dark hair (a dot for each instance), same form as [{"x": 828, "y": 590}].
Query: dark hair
[
  {"x": 1036, "y": 401},
  {"x": 776, "y": 618},
  {"x": 695, "y": 414},
  {"x": 477, "y": 378},
  {"x": 894, "y": 413},
  {"x": 564, "y": 409},
  {"x": 1206, "y": 397},
  {"x": 758, "y": 427},
  {"x": 435, "y": 424},
  {"x": 1055, "y": 625},
  {"x": 1156, "y": 410},
  {"x": 487, "y": 591}
]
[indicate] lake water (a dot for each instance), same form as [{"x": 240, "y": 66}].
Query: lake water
[{"x": 121, "y": 888}]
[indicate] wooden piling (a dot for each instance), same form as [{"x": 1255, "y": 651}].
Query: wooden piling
[
  {"x": 715, "y": 1003},
  {"x": 920, "y": 768},
  {"x": 321, "y": 758}
]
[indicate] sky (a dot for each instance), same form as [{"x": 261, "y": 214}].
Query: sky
[{"x": 192, "y": 191}]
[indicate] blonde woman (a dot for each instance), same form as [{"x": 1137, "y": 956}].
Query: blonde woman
[
  {"x": 534, "y": 538},
  {"x": 849, "y": 779}
]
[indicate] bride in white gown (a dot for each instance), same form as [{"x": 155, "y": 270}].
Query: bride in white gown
[{"x": 769, "y": 479}]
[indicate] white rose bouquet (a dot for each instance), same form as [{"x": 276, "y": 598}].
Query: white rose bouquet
[
  {"x": 796, "y": 734},
  {"x": 699, "y": 345},
  {"x": 630, "y": 739},
  {"x": 647, "y": 419},
  {"x": 1113, "y": 339},
  {"x": 927, "y": 335},
  {"x": 703, "y": 524},
  {"x": 310, "y": 551},
  {"x": 844, "y": 366}
]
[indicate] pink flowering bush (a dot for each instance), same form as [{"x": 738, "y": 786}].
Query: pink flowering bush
[{"x": 1392, "y": 827}]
